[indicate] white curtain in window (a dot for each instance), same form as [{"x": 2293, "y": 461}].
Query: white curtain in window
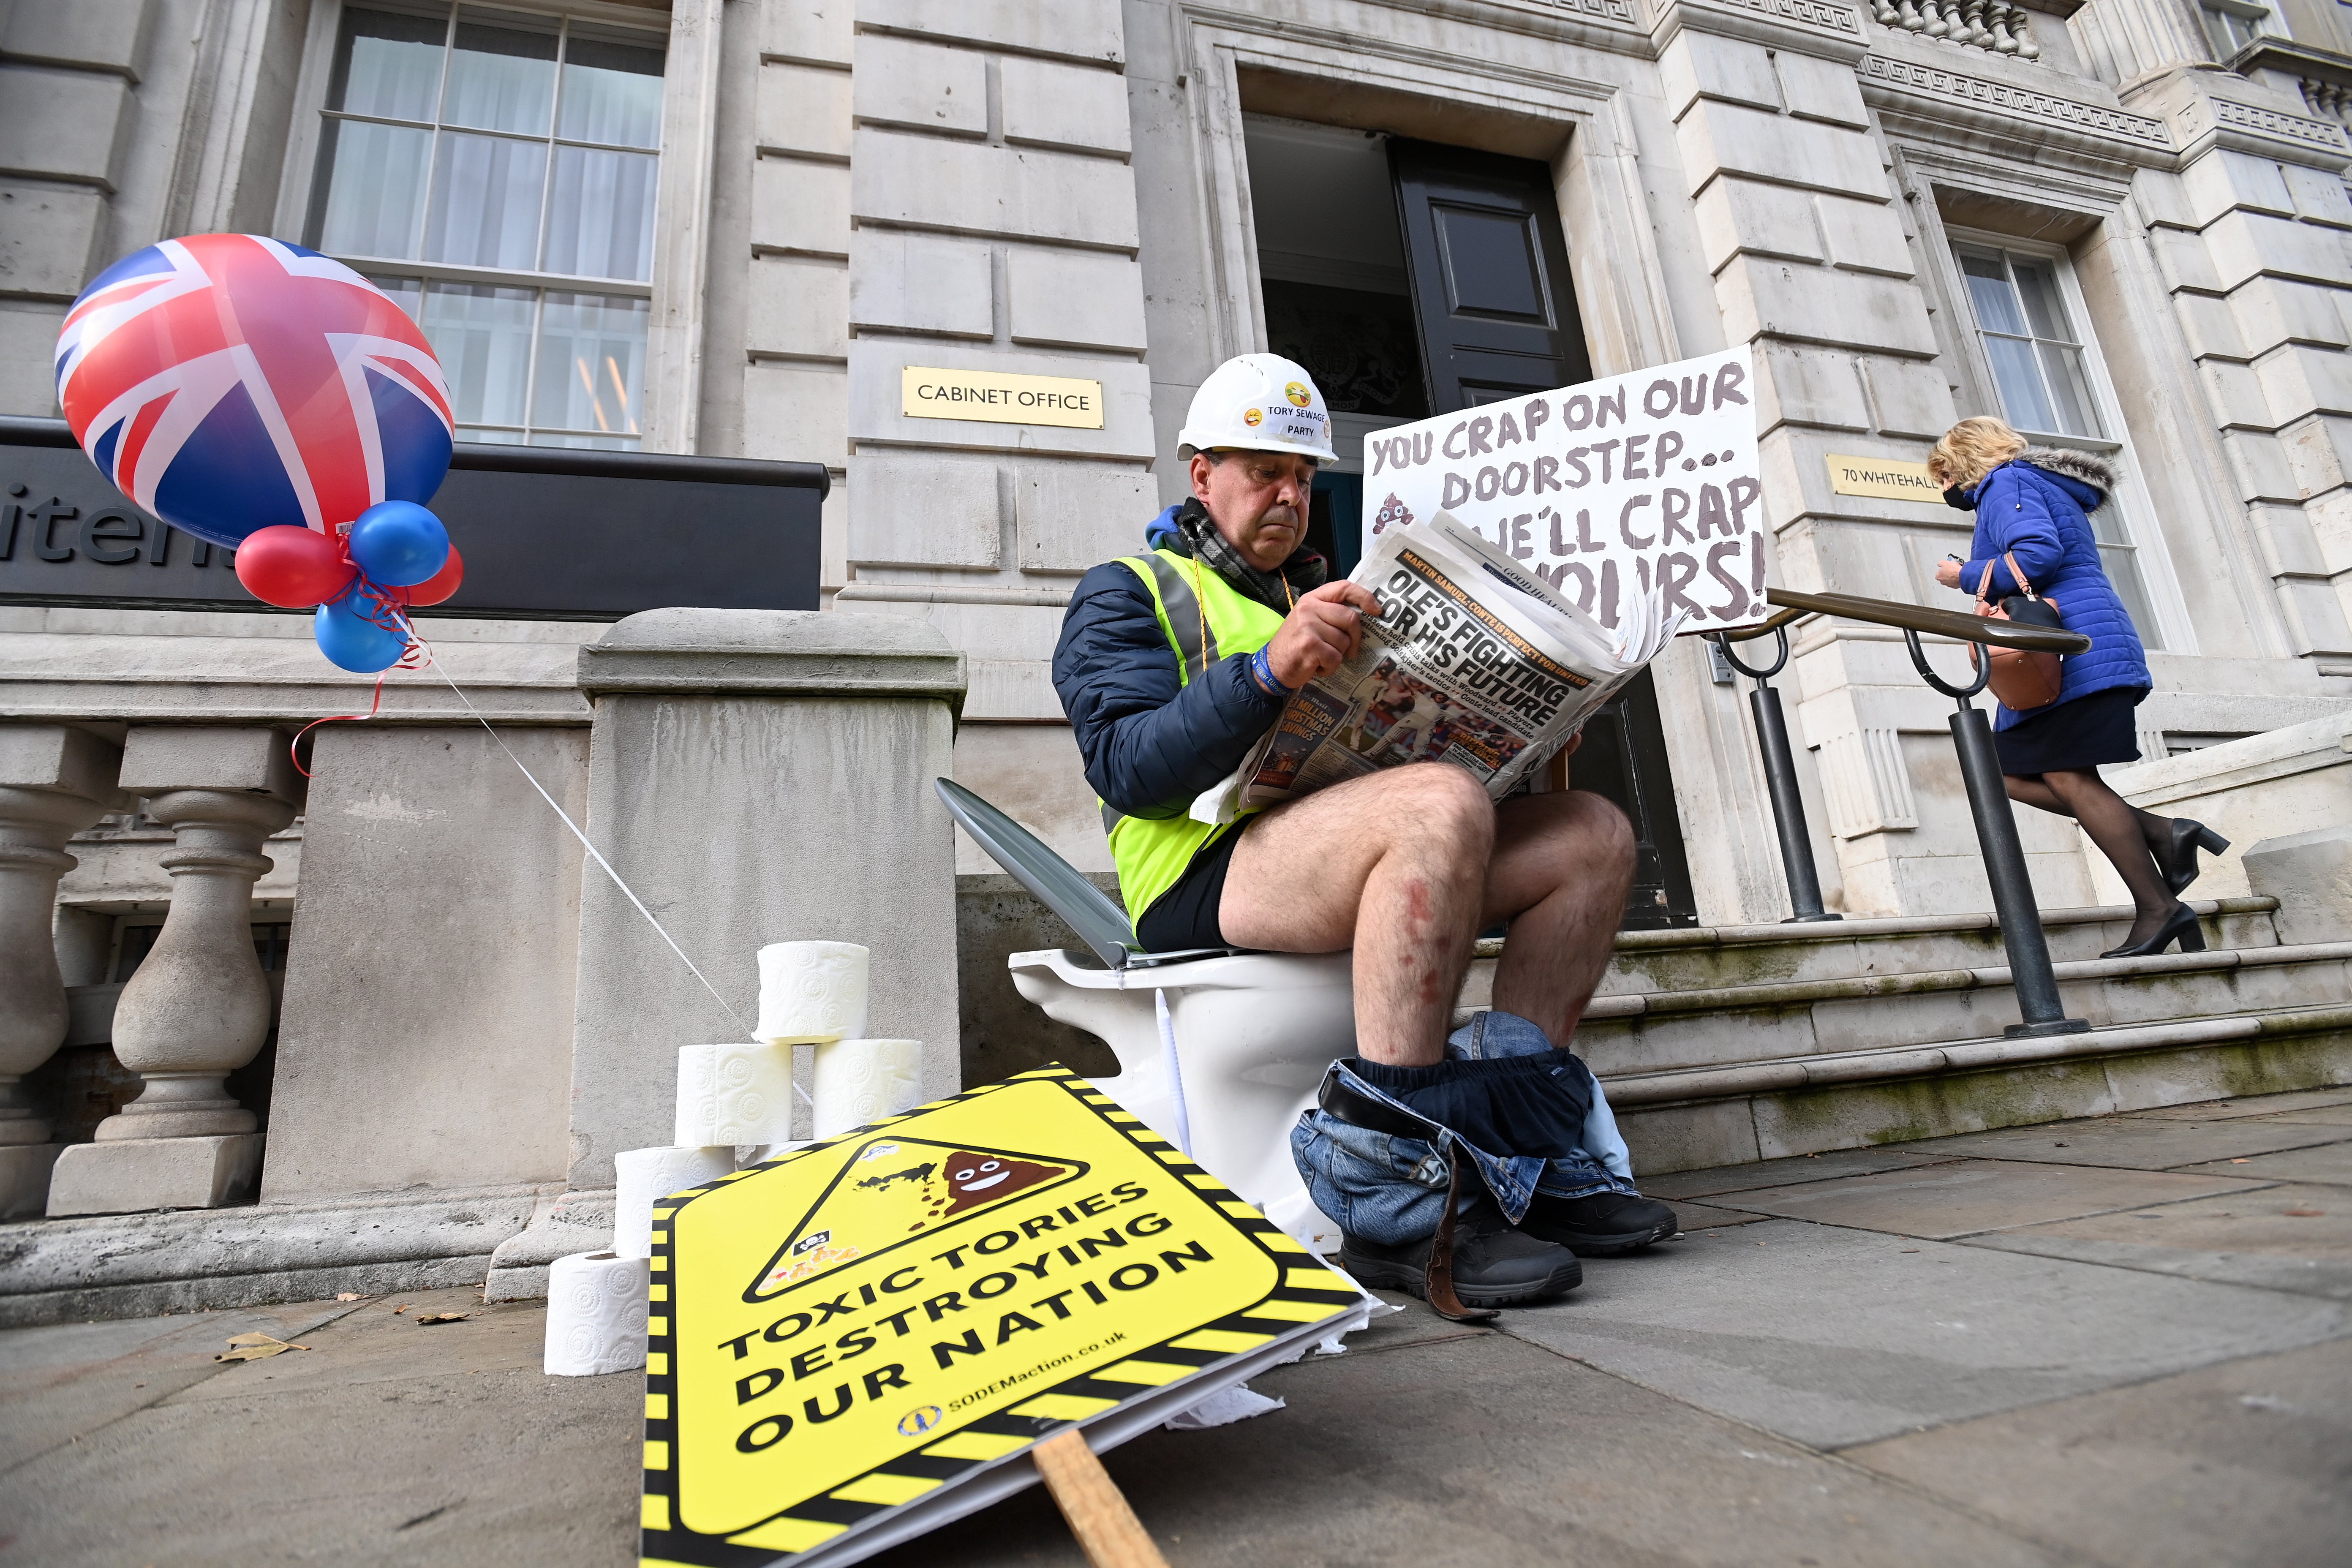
[
  {"x": 600, "y": 215},
  {"x": 591, "y": 363},
  {"x": 501, "y": 78},
  {"x": 376, "y": 188}
]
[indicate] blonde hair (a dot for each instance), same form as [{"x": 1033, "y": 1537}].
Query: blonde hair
[{"x": 1972, "y": 449}]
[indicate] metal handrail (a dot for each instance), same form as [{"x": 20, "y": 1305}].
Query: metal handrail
[
  {"x": 1942, "y": 622},
  {"x": 1780, "y": 765},
  {"x": 2041, "y": 1010},
  {"x": 1764, "y": 628}
]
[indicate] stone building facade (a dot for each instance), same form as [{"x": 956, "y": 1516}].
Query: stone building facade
[
  {"x": 757, "y": 229},
  {"x": 787, "y": 204}
]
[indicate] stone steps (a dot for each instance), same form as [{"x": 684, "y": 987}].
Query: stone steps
[
  {"x": 1766, "y": 1109},
  {"x": 1726, "y": 1044},
  {"x": 1666, "y": 1031},
  {"x": 1705, "y": 957}
]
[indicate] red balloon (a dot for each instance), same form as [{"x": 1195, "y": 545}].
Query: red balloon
[
  {"x": 438, "y": 586},
  {"x": 291, "y": 567}
]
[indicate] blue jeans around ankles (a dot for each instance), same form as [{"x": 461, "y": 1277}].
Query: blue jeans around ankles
[{"x": 1390, "y": 1189}]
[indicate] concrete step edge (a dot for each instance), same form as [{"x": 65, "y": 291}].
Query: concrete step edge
[
  {"x": 1785, "y": 1073},
  {"x": 1884, "y": 926},
  {"x": 1797, "y": 992}
]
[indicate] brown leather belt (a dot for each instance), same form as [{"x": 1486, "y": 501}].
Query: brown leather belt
[{"x": 1357, "y": 1109}]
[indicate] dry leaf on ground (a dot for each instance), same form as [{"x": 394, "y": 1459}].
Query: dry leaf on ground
[
  {"x": 443, "y": 1317},
  {"x": 253, "y": 1347}
]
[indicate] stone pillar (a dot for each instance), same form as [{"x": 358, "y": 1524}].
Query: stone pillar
[
  {"x": 199, "y": 1007},
  {"x": 440, "y": 896},
  {"x": 2250, "y": 238},
  {"x": 54, "y": 780},
  {"x": 758, "y": 776},
  {"x": 1799, "y": 223}
]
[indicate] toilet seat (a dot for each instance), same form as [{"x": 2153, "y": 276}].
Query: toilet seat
[{"x": 1254, "y": 1033}]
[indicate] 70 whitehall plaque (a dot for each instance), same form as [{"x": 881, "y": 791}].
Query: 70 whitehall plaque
[{"x": 928, "y": 393}]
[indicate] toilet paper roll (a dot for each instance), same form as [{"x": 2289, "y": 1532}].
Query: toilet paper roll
[
  {"x": 595, "y": 1314},
  {"x": 858, "y": 1081},
  {"x": 733, "y": 1094},
  {"x": 811, "y": 992},
  {"x": 645, "y": 1176}
]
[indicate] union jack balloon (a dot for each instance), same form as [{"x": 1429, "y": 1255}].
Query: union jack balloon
[{"x": 229, "y": 382}]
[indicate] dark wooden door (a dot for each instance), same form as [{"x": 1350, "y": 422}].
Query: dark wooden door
[
  {"x": 1497, "y": 314},
  {"x": 1488, "y": 271},
  {"x": 1624, "y": 760}
]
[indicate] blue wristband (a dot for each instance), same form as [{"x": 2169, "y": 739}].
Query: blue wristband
[{"x": 1261, "y": 671}]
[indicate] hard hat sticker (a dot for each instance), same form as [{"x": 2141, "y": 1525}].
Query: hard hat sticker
[{"x": 841, "y": 1333}]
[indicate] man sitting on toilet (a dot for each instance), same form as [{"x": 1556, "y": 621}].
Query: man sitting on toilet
[{"x": 1470, "y": 1169}]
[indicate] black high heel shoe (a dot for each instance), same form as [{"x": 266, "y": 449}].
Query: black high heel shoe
[
  {"x": 2181, "y": 928},
  {"x": 2178, "y": 860}
]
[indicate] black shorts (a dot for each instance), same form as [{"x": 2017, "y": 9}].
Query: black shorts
[{"x": 1185, "y": 916}]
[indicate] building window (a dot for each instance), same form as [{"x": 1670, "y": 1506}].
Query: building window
[
  {"x": 494, "y": 171},
  {"x": 2234, "y": 24},
  {"x": 2047, "y": 381}
]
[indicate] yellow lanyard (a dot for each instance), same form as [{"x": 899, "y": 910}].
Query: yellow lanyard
[{"x": 1200, "y": 609}]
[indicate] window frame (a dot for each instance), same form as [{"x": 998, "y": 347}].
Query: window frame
[
  {"x": 2172, "y": 632},
  {"x": 2267, "y": 23},
  {"x": 299, "y": 188}
]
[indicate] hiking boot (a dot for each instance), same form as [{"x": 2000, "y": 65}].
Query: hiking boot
[
  {"x": 1599, "y": 1225},
  {"x": 1494, "y": 1265}
]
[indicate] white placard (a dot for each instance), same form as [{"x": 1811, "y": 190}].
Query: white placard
[{"x": 1601, "y": 488}]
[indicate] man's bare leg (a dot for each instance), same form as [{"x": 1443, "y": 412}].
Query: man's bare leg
[
  {"x": 1395, "y": 865},
  {"x": 1563, "y": 863}
]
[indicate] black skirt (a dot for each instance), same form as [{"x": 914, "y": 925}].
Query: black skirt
[{"x": 2090, "y": 731}]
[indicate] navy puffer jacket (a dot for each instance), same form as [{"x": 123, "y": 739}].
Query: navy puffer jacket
[
  {"x": 1150, "y": 741},
  {"x": 2038, "y": 507}
]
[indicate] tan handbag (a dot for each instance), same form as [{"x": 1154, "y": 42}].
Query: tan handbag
[{"x": 2022, "y": 680}]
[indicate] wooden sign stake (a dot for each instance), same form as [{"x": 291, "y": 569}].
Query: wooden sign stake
[{"x": 1098, "y": 1512}]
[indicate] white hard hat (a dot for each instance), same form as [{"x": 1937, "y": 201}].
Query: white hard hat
[{"x": 1260, "y": 403}]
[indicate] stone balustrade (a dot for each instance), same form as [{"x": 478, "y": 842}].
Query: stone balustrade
[
  {"x": 54, "y": 780},
  {"x": 199, "y": 1007},
  {"x": 2330, "y": 99},
  {"x": 1986, "y": 24}
]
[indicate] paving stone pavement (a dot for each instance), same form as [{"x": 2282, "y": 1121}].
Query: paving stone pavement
[{"x": 1987, "y": 1350}]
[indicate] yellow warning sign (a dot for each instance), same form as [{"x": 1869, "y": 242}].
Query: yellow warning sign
[{"x": 847, "y": 1344}]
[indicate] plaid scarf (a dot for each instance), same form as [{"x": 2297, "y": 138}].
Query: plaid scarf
[{"x": 1197, "y": 536}]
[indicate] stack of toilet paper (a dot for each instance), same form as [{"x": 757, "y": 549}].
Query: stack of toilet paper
[
  {"x": 730, "y": 1096},
  {"x": 595, "y": 1314},
  {"x": 645, "y": 1176},
  {"x": 811, "y": 993},
  {"x": 814, "y": 994}
]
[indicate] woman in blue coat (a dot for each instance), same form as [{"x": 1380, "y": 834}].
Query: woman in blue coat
[{"x": 2034, "y": 534}]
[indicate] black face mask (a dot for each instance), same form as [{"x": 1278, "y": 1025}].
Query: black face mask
[{"x": 1958, "y": 500}]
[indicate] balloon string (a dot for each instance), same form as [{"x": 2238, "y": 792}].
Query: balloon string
[
  {"x": 596, "y": 854},
  {"x": 293, "y": 747},
  {"x": 381, "y": 611}
]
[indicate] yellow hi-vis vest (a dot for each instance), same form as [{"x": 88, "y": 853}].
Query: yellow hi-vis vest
[{"x": 1204, "y": 618}]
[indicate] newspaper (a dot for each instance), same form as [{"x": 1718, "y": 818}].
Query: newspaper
[{"x": 1473, "y": 660}]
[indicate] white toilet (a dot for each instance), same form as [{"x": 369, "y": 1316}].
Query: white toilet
[
  {"x": 1248, "y": 1033},
  {"x": 1252, "y": 1035}
]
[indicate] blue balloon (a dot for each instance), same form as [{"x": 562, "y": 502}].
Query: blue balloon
[
  {"x": 350, "y": 641},
  {"x": 399, "y": 544}
]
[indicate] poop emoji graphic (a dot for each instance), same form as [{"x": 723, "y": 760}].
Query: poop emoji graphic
[
  {"x": 977, "y": 1179},
  {"x": 889, "y": 1190}
]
